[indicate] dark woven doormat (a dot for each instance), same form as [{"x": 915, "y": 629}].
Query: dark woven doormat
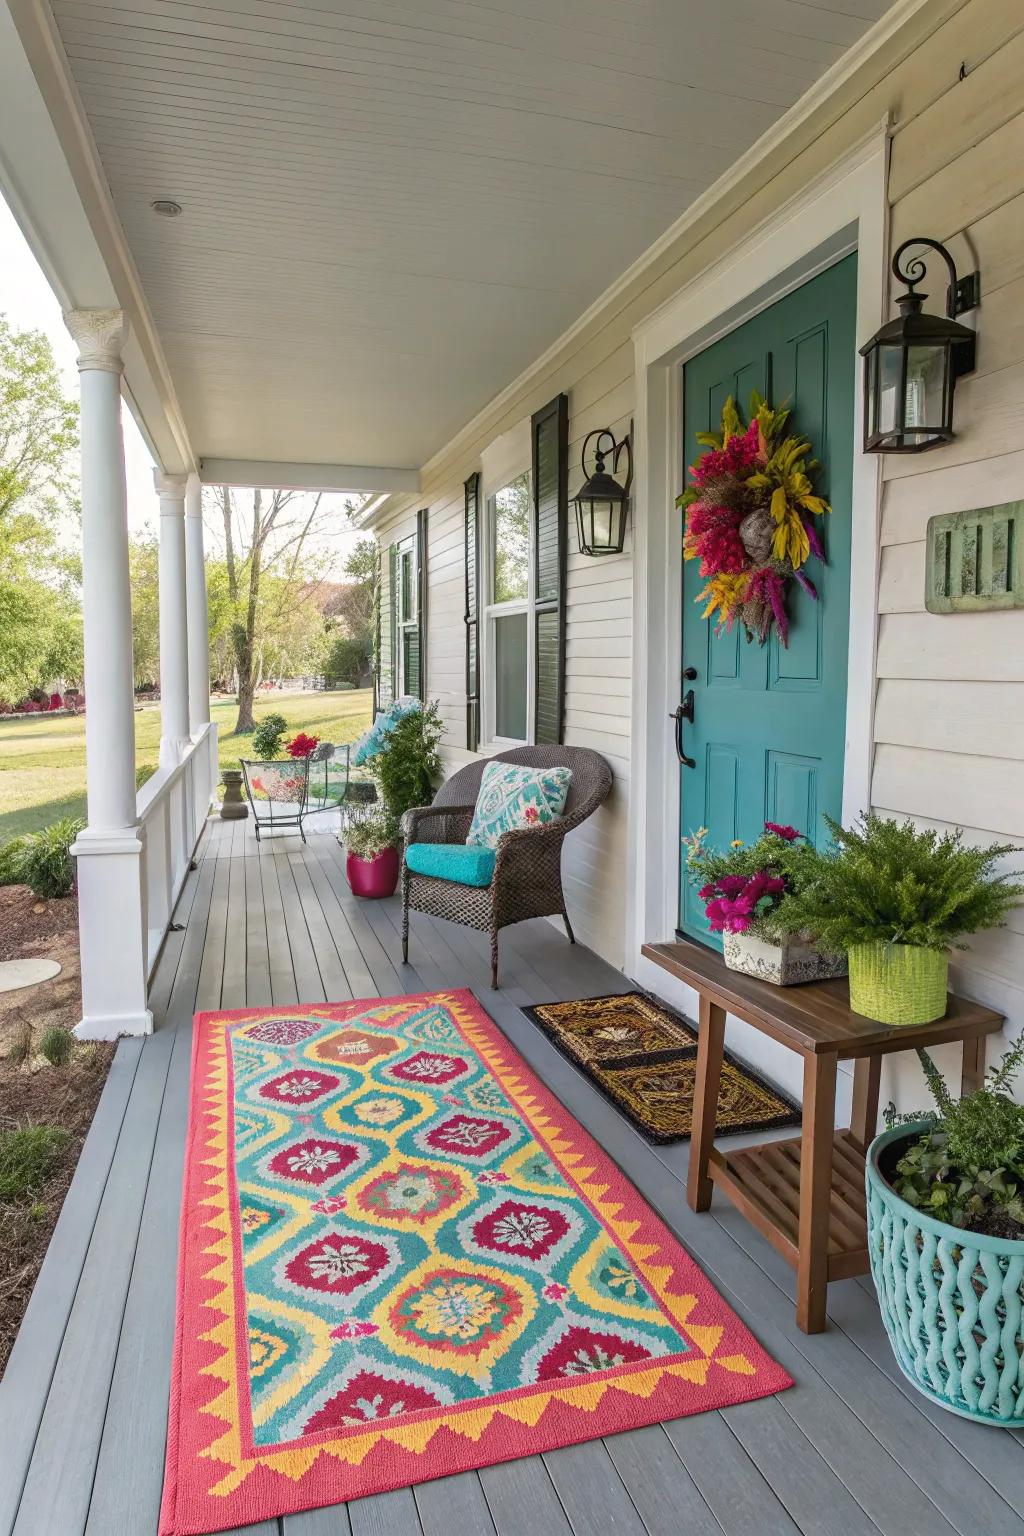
[{"x": 643, "y": 1057}]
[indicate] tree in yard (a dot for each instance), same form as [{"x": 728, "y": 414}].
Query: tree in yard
[
  {"x": 144, "y": 576},
  {"x": 353, "y": 610},
  {"x": 275, "y": 561},
  {"x": 40, "y": 636}
]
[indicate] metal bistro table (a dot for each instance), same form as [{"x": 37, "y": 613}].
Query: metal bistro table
[{"x": 804, "y": 1193}]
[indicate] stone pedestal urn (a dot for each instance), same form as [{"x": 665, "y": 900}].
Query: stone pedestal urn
[{"x": 234, "y": 807}]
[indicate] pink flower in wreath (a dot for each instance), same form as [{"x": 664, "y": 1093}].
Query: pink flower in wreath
[{"x": 790, "y": 834}]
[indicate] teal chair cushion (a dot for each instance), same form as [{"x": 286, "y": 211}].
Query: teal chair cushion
[{"x": 452, "y": 861}]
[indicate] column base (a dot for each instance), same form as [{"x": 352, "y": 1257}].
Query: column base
[
  {"x": 114, "y": 1026},
  {"x": 112, "y": 934}
]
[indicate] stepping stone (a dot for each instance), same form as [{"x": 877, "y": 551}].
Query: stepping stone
[{"x": 26, "y": 973}]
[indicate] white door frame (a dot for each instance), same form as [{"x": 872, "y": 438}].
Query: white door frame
[{"x": 843, "y": 210}]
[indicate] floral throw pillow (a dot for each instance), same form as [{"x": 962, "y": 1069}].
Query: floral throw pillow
[{"x": 512, "y": 796}]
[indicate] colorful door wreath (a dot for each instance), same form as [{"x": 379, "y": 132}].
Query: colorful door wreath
[{"x": 750, "y": 519}]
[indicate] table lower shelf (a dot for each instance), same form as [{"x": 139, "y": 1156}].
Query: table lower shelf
[{"x": 763, "y": 1182}]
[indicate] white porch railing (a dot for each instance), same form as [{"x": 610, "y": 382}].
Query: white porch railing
[{"x": 172, "y": 809}]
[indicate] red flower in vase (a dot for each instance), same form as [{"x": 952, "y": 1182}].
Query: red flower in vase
[{"x": 302, "y": 745}]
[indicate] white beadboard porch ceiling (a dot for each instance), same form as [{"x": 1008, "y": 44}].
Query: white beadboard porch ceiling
[{"x": 390, "y": 209}]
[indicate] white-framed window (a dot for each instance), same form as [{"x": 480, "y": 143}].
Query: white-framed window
[
  {"x": 508, "y": 614},
  {"x": 406, "y": 618}
]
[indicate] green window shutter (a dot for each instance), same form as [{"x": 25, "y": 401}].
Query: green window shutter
[
  {"x": 550, "y": 439},
  {"x": 392, "y": 667},
  {"x": 416, "y": 671},
  {"x": 472, "y": 492}
]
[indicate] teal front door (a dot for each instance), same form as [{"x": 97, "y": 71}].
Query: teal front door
[{"x": 768, "y": 730}]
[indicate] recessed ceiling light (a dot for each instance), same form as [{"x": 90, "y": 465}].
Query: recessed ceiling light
[{"x": 166, "y": 206}]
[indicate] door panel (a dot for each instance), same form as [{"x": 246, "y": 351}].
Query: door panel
[{"x": 768, "y": 735}]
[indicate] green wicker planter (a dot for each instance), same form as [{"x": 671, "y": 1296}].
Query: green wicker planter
[
  {"x": 952, "y": 1302},
  {"x": 898, "y": 983}
]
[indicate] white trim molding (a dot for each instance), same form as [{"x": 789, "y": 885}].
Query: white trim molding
[
  {"x": 308, "y": 477},
  {"x": 843, "y": 210}
]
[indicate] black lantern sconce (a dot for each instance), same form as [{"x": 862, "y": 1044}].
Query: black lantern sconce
[
  {"x": 601, "y": 502},
  {"x": 912, "y": 364}
]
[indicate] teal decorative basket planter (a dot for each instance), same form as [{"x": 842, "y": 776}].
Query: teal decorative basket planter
[{"x": 952, "y": 1302}]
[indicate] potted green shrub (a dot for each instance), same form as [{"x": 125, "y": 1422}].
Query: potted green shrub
[
  {"x": 746, "y": 889},
  {"x": 372, "y": 862},
  {"x": 895, "y": 899},
  {"x": 946, "y": 1242},
  {"x": 407, "y": 763}
]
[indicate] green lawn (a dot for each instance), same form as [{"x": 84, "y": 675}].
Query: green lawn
[{"x": 42, "y": 760}]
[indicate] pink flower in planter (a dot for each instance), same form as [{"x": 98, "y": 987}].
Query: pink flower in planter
[
  {"x": 790, "y": 834},
  {"x": 730, "y": 916}
]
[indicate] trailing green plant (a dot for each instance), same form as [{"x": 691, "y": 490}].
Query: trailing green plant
[
  {"x": 43, "y": 861},
  {"x": 967, "y": 1167},
  {"x": 57, "y": 1045},
  {"x": 27, "y": 1158},
  {"x": 266, "y": 738},
  {"x": 886, "y": 882},
  {"x": 367, "y": 838},
  {"x": 408, "y": 761}
]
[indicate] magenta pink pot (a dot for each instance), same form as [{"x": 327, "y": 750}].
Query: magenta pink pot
[{"x": 373, "y": 877}]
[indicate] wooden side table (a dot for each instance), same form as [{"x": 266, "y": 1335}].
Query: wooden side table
[{"x": 804, "y": 1193}]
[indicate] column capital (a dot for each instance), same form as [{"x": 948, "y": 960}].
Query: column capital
[
  {"x": 194, "y": 497},
  {"x": 171, "y": 490},
  {"x": 100, "y": 335}
]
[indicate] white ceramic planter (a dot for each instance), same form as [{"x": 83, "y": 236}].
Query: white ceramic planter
[{"x": 785, "y": 964}]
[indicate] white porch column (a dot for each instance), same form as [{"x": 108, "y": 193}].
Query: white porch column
[
  {"x": 198, "y": 620},
  {"x": 174, "y": 732},
  {"x": 111, "y": 900}
]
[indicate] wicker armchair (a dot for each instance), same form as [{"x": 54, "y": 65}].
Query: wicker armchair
[{"x": 527, "y": 878}]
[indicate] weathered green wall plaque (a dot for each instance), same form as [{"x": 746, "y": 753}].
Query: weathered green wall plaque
[{"x": 975, "y": 560}]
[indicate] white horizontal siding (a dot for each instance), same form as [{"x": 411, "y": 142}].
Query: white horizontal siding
[{"x": 948, "y": 718}]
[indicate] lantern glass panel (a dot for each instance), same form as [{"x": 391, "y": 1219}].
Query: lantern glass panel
[
  {"x": 603, "y": 522},
  {"x": 926, "y": 390},
  {"x": 890, "y": 388}
]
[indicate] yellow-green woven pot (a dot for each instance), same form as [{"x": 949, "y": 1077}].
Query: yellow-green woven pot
[{"x": 898, "y": 983}]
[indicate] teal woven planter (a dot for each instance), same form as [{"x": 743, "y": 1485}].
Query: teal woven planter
[{"x": 952, "y": 1302}]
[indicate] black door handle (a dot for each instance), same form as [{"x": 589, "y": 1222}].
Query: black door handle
[{"x": 683, "y": 711}]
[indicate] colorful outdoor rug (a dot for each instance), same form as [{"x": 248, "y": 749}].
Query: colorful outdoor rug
[
  {"x": 401, "y": 1258},
  {"x": 643, "y": 1057}
]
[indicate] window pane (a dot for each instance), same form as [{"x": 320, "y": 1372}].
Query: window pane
[
  {"x": 408, "y": 587},
  {"x": 510, "y": 636},
  {"x": 511, "y": 542}
]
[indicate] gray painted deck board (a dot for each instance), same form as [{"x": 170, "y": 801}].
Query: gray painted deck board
[{"x": 851, "y": 1450}]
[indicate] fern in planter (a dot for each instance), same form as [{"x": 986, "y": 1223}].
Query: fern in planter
[
  {"x": 886, "y": 882},
  {"x": 967, "y": 1167}
]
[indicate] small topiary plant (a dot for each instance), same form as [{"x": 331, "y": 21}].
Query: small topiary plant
[
  {"x": 57, "y": 1045},
  {"x": 27, "y": 1158},
  {"x": 967, "y": 1167},
  {"x": 266, "y": 738},
  {"x": 44, "y": 861}
]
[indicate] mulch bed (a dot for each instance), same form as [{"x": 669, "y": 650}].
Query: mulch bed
[{"x": 36, "y": 1094}]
